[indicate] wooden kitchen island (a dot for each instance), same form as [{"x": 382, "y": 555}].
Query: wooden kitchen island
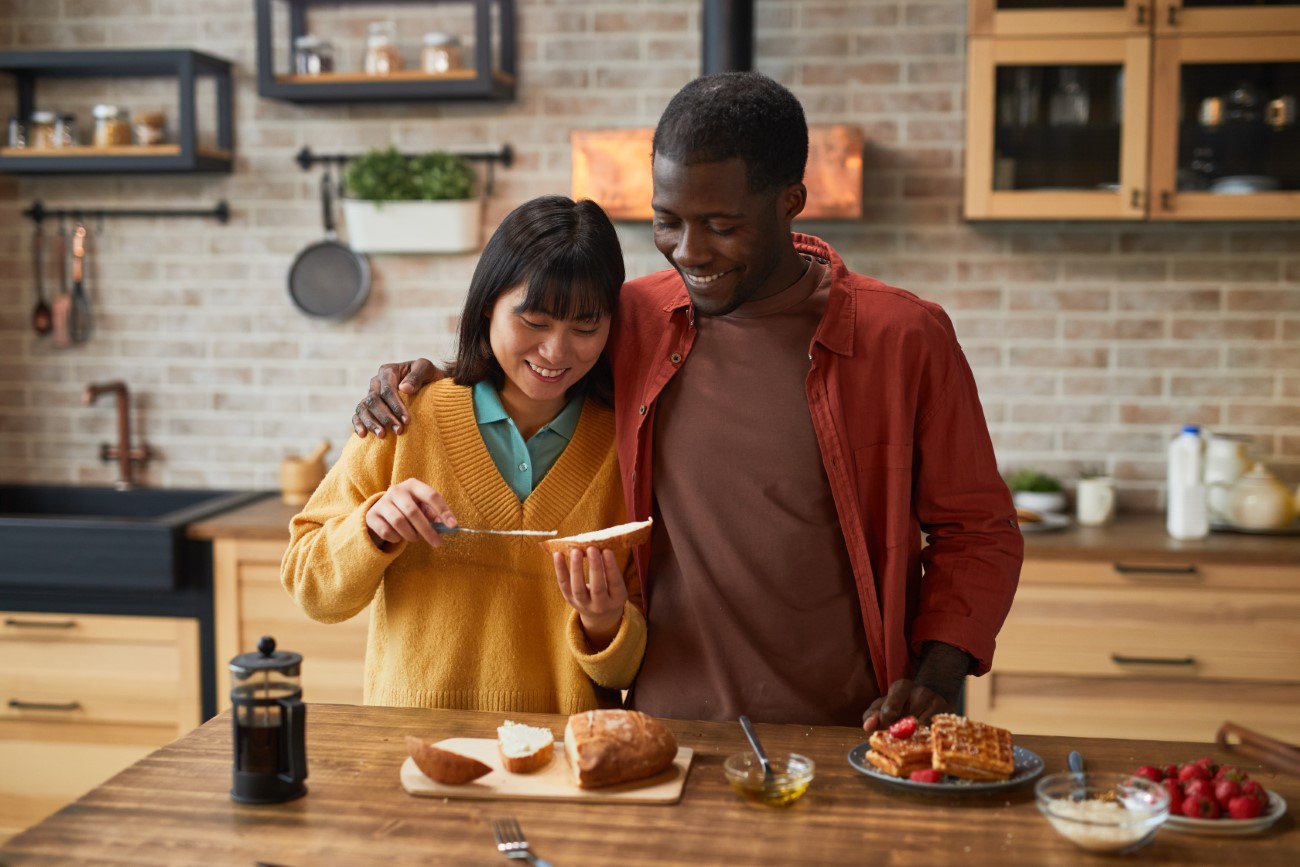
[{"x": 173, "y": 807}]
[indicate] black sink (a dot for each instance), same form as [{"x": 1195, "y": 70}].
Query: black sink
[{"x": 72, "y": 536}]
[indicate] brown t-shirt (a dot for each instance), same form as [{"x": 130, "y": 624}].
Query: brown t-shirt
[{"x": 752, "y": 606}]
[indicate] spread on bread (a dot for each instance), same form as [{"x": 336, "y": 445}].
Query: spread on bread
[
  {"x": 444, "y": 766},
  {"x": 524, "y": 748},
  {"x": 606, "y": 747},
  {"x": 620, "y": 538}
]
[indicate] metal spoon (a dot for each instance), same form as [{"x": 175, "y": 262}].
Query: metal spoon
[
  {"x": 42, "y": 318},
  {"x": 1075, "y": 761},
  {"x": 758, "y": 747}
]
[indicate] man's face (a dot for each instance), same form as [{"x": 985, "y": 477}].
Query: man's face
[{"x": 725, "y": 241}]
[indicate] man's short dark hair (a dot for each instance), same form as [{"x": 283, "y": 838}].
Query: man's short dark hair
[
  {"x": 741, "y": 115},
  {"x": 568, "y": 255}
]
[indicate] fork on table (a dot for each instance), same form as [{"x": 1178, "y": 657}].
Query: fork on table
[{"x": 512, "y": 843}]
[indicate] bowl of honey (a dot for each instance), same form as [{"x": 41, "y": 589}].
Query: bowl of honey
[{"x": 791, "y": 776}]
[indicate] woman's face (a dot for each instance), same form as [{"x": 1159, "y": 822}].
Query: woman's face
[{"x": 542, "y": 357}]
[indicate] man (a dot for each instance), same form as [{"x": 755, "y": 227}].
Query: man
[{"x": 794, "y": 429}]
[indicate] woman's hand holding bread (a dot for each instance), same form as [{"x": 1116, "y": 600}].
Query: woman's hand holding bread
[
  {"x": 598, "y": 596},
  {"x": 406, "y": 512}
]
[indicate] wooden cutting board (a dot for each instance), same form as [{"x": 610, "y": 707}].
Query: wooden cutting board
[{"x": 553, "y": 782}]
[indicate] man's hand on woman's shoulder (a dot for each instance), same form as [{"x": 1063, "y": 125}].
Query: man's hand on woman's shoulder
[{"x": 382, "y": 407}]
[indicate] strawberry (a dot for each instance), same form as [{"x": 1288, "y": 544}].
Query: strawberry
[
  {"x": 1231, "y": 772},
  {"x": 1189, "y": 772},
  {"x": 1198, "y": 789},
  {"x": 904, "y": 728},
  {"x": 1170, "y": 772},
  {"x": 929, "y": 775},
  {"x": 1151, "y": 772},
  {"x": 1252, "y": 789},
  {"x": 1175, "y": 794},
  {"x": 1244, "y": 807},
  {"x": 1200, "y": 808},
  {"x": 1209, "y": 765},
  {"x": 1225, "y": 791}
]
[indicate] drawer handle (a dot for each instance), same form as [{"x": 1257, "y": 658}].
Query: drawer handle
[
  {"x": 1141, "y": 572},
  {"x": 1151, "y": 660},
  {"x": 40, "y": 624},
  {"x": 40, "y": 705}
]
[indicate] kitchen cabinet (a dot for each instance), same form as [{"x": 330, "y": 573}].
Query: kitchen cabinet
[
  {"x": 1076, "y": 114},
  {"x": 1148, "y": 640},
  {"x": 86, "y": 696},
  {"x": 192, "y": 150},
  {"x": 250, "y": 602},
  {"x": 489, "y": 72},
  {"x": 1120, "y": 17}
]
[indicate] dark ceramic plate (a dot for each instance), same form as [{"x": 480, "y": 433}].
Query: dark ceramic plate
[{"x": 1028, "y": 766}]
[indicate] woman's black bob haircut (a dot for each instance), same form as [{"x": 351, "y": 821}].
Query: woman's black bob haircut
[{"x": 568, "y": 255}]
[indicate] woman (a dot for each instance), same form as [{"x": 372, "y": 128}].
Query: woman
[{"x": 521, "y": 436}]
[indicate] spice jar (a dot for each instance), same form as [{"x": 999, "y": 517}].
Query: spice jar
[
  {"x": 65, "y": 131},
  {"x": 441, "y": 53},
  {"x": 382, "y": 53},
  {"x": 312, "y": 55},
  {"x": 112, "y": 126},
  {"x": 17, "y": 136},
  {"x": 40, "y": 130},
  {"x": 150, "y": 128}
]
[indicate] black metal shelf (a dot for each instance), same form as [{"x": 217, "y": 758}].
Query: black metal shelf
[
  {"x": 484, "y": 82},
  {"x": 186, "y": 66}
]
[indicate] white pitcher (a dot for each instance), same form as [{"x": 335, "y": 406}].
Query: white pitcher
[{"x": 1225, "y": 462}]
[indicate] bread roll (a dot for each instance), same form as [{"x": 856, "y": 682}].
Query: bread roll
[
  {"x": 444, "y": 766},
  {"x": 523, "y": 748},
  {"x": 605, "y": 747},
  {"x": 618, "y": 539}
]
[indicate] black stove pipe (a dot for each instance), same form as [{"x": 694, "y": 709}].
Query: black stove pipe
[{"x": 728, "y": 29}]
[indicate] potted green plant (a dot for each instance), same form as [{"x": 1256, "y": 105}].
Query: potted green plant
[
  {"x": 1037, "y": 491},
  {"x": 423, "y": 204}
]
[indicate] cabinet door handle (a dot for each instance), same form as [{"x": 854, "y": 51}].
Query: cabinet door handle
[
  {"x": 1166, "y": 201},
  {"x": 1173, "y": 15},
  {"x": 1139, "y": 573},
  {"x": 1135, "y": 200},
  {"x": 1142, "y": 14},
  {"x": 17, "y": 704},
  {"x": 40, "y": 624},
  {"x": 1119, "y": 659}
]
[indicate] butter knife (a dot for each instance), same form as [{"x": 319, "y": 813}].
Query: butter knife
[{"x": 444, "y": 529}]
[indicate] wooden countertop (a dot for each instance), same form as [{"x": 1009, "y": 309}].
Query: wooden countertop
[
  {"x": 174, "y": 806},
  {"x": 1132, "y": 536}
]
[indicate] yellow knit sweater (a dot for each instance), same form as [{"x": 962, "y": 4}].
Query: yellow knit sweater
[{"x": 479, "y": 623}]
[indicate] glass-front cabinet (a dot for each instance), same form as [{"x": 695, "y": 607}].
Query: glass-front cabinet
[
  {"x": 1161, "y": 121},
  {"x": 1057, "y": 129},
  {"x": 1226, "y": 128}
]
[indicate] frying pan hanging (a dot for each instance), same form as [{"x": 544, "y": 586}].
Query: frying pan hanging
[{"x": 329, "y": 279}]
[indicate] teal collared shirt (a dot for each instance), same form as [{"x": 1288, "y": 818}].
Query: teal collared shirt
[{"x": 523, "y": 465}]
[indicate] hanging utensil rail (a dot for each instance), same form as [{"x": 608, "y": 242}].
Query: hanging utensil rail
[
  {"x": 506, "y": 156},
  {"x": 38, "y": 212}
]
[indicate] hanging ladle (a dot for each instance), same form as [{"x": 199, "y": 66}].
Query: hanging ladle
[
  {"x": 758, "y": 748},
  {"x": 42, "y": 318}
]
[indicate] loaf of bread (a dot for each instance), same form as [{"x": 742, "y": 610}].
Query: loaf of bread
[
  {"x": 605, "y": 747},
  {"x": 444, "y": 766},
  {"x": 524, "y": 748},
  {"x": 618, "y": 539}
]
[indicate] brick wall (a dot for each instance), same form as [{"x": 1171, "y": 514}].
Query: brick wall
[{"x": 1091, "y": 342}]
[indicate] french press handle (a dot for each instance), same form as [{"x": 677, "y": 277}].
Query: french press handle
[{"x": 295, "y": 733}]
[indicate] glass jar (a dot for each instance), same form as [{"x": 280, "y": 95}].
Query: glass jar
[
  {"x": 17, "y": 135},
  {"x": 150, "y": 128},
  {"x": 112, "y": 126},
  {"x": 40, "y": 130},
  {"x": 65, "y": 131},
  {"x": 312, "y": 55},
  {"x": 441, "y": 53},
  {"x": 382, "y": 53}
]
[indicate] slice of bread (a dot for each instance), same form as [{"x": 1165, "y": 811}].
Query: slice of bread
[
  {"x": 524, "y": 748},
  {"x": 444, "y": 766},
  {"x": 618, "y": 539}
]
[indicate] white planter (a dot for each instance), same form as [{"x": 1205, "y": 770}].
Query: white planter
[
  {"x": 1041, "y": 502},
  {"x": 414, "y": 227}
]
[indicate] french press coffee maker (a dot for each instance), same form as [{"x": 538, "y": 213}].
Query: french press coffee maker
[{"x": 270, "y": 725}]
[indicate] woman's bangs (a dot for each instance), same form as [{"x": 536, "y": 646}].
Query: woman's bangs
[{"x": 560, "y": 293}]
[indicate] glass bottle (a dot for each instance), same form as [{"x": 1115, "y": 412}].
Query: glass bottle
[
  {"x": 441, "y": 53},
  {"x": 312, "y": 55},
  {"x": 17, "y": 135},
  {"x": 65, "y": 131},
  {"x": 40, "y": 130},
  {"x": 1069, "y": 105},
  {"x": 382, "y": 54}
]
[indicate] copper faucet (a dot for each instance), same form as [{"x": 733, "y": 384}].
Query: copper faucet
[{"x": 125, "y": 456}]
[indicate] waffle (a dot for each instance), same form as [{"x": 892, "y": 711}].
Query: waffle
[
  {"x": 970, "y": 750},
  {"x": 899, "y": 758}
]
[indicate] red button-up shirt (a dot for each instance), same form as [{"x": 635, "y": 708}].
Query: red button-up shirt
[{"x": 904, "y": 445}]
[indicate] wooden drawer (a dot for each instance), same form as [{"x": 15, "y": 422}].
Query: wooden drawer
[
  {"x": 1134, "y": 707},
  {"x": 100, "y": 669},
  {"x": 1152, "y": 632},
  {"x": 1158, "y": 571},
  {"x": 251, "y": 602}
]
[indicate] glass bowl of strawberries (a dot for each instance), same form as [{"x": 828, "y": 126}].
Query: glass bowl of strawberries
[
  {"x": 1210, "y": 798},
  {"x": 1103, "y": 812}
]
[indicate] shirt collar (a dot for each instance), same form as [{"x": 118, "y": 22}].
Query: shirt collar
[{"x": 488, "y": 408}]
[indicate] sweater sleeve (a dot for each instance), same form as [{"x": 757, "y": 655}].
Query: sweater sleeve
[
  {"x": 615, "y": 665},
  {"x": 332, "y": 568}
]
